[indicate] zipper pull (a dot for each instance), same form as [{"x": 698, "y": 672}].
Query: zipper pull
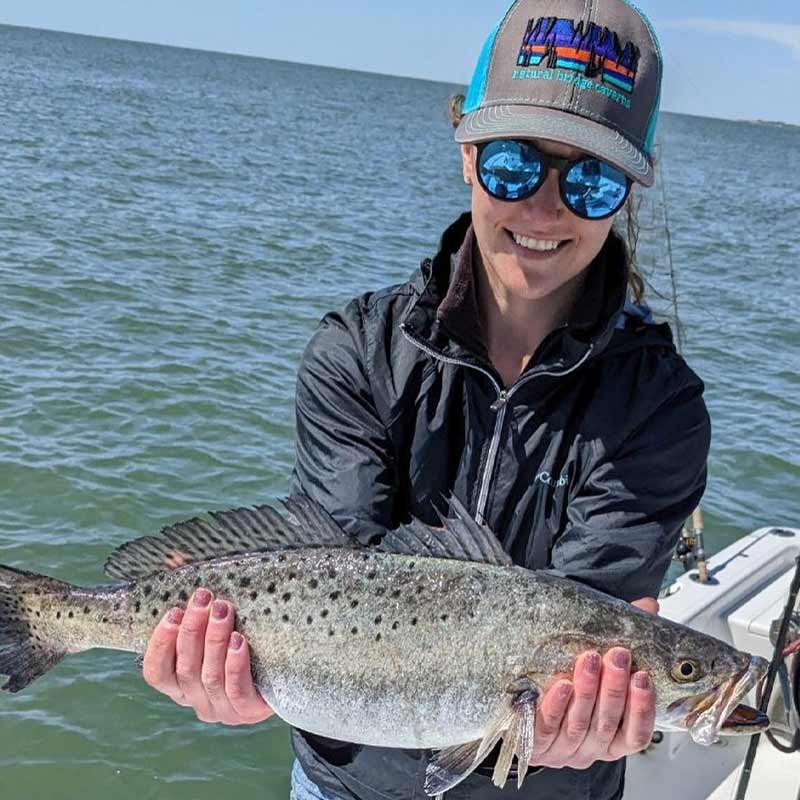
[{"x": 500, "y": 402}]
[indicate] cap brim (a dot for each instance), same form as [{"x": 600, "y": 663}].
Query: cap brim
[{"x": 535, "y": 122}]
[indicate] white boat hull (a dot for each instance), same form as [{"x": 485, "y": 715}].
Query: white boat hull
[{"x": 750, "y": 590}]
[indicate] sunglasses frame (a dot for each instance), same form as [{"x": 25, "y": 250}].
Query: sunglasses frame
[{"x": 562, "y": 165}]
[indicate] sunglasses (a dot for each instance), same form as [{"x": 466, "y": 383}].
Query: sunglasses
[{"x": 513, "y": 170}]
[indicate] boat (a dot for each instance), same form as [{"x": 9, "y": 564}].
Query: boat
[{"x": 742, "y": 603}]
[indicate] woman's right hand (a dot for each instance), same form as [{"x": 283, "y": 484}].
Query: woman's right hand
[{"x": 198, "y": 660}]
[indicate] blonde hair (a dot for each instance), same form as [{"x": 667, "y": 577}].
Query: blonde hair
[{"x": 626, "y": 226}]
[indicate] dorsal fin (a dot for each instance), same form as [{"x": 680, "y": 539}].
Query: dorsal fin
[
  {"x": 307, "y": 524},
  {"x": 228, "y": 533},
  {"x": 461, "y": 538}
]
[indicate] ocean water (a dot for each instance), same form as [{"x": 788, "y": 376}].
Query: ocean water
[{"x": 174, "y": 223}]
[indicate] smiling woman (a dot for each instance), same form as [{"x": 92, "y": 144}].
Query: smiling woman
[{"x": 516, "y": 351}]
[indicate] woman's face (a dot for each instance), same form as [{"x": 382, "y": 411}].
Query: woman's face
[{"x": 508, "y": 234}]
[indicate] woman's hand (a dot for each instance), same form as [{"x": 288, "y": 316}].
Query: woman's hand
[
  {"x": 603, "y": 714},
  {"x": 198, "y": 660}
]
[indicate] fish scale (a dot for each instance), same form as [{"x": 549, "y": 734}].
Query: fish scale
[{"x": 433, "y": 641}]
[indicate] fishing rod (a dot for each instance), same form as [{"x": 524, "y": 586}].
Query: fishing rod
[
  {"x": 691, "y": 549},
  {"x": 777, "y": 659}
]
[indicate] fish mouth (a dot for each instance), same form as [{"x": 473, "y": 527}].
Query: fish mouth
[{"x": 719, "y": 712}]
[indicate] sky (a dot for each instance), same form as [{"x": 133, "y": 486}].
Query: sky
[{"x": 723, "y": 59}]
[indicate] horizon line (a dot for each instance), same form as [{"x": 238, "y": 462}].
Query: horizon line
[{"x": 342, "y": 69}]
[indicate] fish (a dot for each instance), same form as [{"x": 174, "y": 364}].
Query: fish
[{"x": 431, "y": 640}]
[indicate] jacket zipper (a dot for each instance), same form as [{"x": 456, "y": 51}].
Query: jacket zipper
[{"x": 499, "y": 407}]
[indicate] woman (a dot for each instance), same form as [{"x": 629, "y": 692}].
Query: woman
[{"x": 511, "y": 372}]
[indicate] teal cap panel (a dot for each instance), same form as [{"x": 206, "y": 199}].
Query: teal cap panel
[
  {"x": 477, "y": 88},
  {"x": 650, "y": 136}
]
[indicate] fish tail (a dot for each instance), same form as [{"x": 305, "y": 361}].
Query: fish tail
[{"x": 27, "y": 648}]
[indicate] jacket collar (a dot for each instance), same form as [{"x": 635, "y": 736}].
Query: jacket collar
[{"x": 446, "y": 317}]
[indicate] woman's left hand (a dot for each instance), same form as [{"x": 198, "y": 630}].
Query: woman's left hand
[{"x": 603, "y": 714}]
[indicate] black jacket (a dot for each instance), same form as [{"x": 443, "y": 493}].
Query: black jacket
[{"x": 589, "y": 464}]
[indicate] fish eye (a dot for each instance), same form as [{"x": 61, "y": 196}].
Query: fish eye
[{"x": 686, "y": 671}]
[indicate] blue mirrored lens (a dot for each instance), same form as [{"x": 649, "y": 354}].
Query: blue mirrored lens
[
  {"x": 510, "y": 170},
  {"x": 594, "y": 189}
]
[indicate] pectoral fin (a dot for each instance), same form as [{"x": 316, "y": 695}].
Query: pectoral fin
[
  {"x": 450, "y": 766},
  {"x": 514, "y": 725}
]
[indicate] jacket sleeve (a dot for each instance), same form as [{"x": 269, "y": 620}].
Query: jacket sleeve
[
  {"x": 624, "y": 522},
  {"x": 344, "y": 457}
]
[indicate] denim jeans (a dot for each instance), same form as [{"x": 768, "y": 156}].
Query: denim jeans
[{"x": 303, "y": 788}]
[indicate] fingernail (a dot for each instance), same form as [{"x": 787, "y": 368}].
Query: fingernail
[
  {"x": 641, "y": 680},
  {"x": 565, "y": 690},
  {"x": 621, "y": 659},
  {"x": 219, "y": 610},
  {"x": 592, "y": 663},
  {"x": 202, "y": 597},
  {"x": 236, "y": 641},
  {"x": 175, "y": 616}
]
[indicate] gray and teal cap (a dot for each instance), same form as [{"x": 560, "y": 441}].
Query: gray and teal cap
[{"x": 586, "y": 73}]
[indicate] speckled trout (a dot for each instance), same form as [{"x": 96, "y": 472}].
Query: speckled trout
[{"x": 433, "y": 640}]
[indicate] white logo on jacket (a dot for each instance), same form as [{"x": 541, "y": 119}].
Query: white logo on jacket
[{"x": 550, "y": 480}]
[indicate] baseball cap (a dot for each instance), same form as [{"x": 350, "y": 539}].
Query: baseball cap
[{"x": 586, "y": 74}]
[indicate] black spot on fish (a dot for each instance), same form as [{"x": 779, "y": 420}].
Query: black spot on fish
[
  {"x": 378, "y": 619},
  {"x": 413, "y": 620},
  {"x": 281, "y": 557},
  {"x": 137, "y": 606},
  {"x": 365, "y": 556},
  {"x": 148, "y": 590},
  {"x": 371, "y": 574},
  {"x": 330, "y": 632},
  {"x": 183, "y": 595},
  {"x": 313, "y": 583},
  {"x": 396, "y": 593},
  {"x": 244, "y": 582},
  {"x": 70, "y": 615},
  {"x": 285, "y": 617},
  {"x": 154, "y": 612},
  {"x": 324, "y": 613},
  {"x": 420, "y": 589},
  {"x": 231, "y": 576},
  {"x": 254, "y": 595},
  {"x": 395, "y": 625},
  {"x": 105, "y": 619},
  {"x": 309, "y": 619},
  {"x": 412, "y": 565},
  {"x": 354, "y": 630},
  {"x": 334, "y": 595},
  {"x": 377, "y": 637},
  {"x": 267, "y": 611},
  {"x": 197, "y": 582},
  {"x": 353, "y": 603},
  {"x": 38, "y": 614},
  {"x": 86, "y": 609},
  {"x": 165, "y": 596},
  {"x": 116, "y": 608},
  {"x": 331, "y": 573},
  {"x": 292, "y": 575},
  {"x": 380, "y": 591},
  {"x": 271, "y": 588},
  {"x": 444, "y": 617},
  {"x": 286, "y": 597}
]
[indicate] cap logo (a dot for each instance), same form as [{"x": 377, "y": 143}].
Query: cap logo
[{"x": 586, "y": 48}]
